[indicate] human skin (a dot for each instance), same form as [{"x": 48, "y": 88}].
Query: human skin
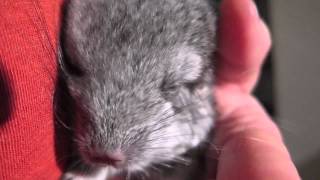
[{"x": 250, "y": 145}]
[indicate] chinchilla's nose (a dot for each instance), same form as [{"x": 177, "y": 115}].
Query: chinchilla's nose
[{"x": 114, "y": 158}]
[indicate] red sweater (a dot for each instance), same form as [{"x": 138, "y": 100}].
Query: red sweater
[{"x": 28, "y": 35}]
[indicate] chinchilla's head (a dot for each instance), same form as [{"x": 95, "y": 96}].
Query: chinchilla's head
[{"x": 142, "y": 90}]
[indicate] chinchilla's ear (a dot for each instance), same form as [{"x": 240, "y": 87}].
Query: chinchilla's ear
[
  {"x": 70, "y": 54},
  {"x": 187, "y": 65},
  {"x": 68, "y": 66}
]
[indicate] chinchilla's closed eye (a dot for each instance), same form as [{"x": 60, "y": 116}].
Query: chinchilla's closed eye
[
  {"x": 185, "y": 71},
  {"x": 169, "y": 86}
]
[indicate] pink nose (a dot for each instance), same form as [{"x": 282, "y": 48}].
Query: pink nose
[{"x": 115, "y": 158}]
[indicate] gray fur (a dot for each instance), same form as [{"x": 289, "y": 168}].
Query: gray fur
[{"x": 143, "y": 78}]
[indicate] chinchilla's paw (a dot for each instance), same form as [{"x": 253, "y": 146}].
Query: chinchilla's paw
[
  {"x": 73, "y": 176},
  {"x": 101, "y": 175}
]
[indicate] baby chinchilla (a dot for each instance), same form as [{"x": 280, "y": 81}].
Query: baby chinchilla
[{"x": 140, "y": 73}]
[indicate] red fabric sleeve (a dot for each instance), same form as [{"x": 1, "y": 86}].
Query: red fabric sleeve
[{"x": 28, "y": 34}]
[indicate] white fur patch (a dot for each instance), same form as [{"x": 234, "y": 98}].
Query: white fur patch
[
  {"x": 189, "y": 63},
  {"x": 102, "y": 174}
]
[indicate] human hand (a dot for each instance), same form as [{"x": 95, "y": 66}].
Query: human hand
[{"x": 251, "y": 144}]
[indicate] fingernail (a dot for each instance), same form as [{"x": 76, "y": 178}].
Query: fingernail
[{"x": 253, "y": 9}]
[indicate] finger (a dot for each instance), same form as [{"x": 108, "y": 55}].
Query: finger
[
  {"x": 243, "y": 42},
  {"x": 252, "y": 147}
]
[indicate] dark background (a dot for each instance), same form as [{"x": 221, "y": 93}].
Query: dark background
[{"x": 264, "y": 90}]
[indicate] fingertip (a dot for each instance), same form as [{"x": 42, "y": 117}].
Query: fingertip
[
  {"x": 244, "y": 8},
  {"x": 243, "y": 42},
  {"x": 239, "y": 30}
]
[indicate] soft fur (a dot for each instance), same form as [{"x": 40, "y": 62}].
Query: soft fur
[{"x": 140, "y": 72}]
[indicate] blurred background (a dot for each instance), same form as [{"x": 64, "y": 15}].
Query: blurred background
[{"x": 290, "y": 84}]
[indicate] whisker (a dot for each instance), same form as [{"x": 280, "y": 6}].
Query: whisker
[
  {"x": 63, "y": 124},
  {"x": 75, "y": 164}
]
